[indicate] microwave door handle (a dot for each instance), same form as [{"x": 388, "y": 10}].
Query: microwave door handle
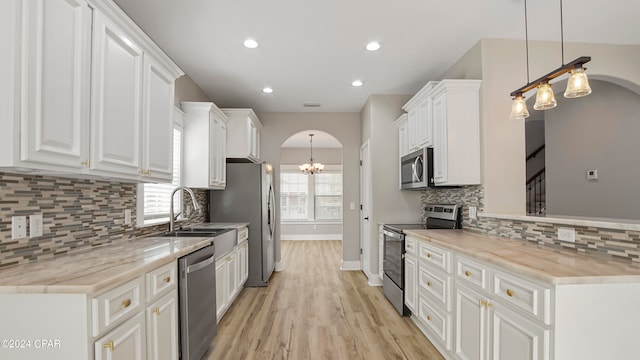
[{"x": 414, "y": 167}]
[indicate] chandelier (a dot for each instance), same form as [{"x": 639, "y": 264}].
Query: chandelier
[
  {"x": 311, "y": 168},
  {"x": 577, "y": 85}
]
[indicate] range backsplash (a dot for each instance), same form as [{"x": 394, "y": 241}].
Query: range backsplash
[
  {"x": 77, "y": 214},
  {"x": 617, "y": 243}
]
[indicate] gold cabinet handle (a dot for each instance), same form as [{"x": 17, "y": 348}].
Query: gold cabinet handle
[
  {"x": 228, "y": 258},
  {"x": 141, "y": 172},
  {"x": 167, "y": 279},
  {"x": 126, "y": 303},
  {"x": 86, "y": 163},
  {"x": 428, "y": 283},
  {"x": 428, "y": 255},
  {"x": 428, "y": 317},
  {"x": 147, "y": 173},
  {"x": 108, "y": 345},
  {"x": 156, "y": 311},
  {"x": 510, "y": 292},
  {"x": 489, "y": 304},
  {"x": 485, "y": 303},
  {"x": 468, "y": 273}
]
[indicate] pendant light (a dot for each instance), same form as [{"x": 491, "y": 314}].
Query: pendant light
[
  {"x": 311, "y": 168},
  {"x": 577, "y": 85}
]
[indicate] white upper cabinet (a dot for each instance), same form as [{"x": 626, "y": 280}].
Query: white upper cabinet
[
  {"x": 205, "y": 139},
  {"x": 243, "y": 135},
  {"x": 403, "y": 134},
  {"x": 420, "y": 133},
  {"x": 87, "y": 93},
  {"x": 456, "y": 132},
  {"x": 116, "y": 100}
]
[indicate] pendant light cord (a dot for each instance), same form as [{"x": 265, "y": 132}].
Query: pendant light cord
[
  {"x": 561, "y": 34},
  {"x": 526, "y": 37}
]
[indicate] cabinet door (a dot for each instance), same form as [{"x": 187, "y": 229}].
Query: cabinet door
[
  {"x": 157, "y": 122},
  {"x": 439, "y": 139},
  {"x": 55, "y": 76},
  {"x": 127, "y": 341},
  {"x": 412, "y": 123},
  {"x": 403, "y": 134},
  {"x": 221, "y": 287},
  {"x": 471, "y": 325},
  {"x": 242, "y": 266},
  {"x": 424, "y": 126},
  {"x": 116, "y": 100},
  {"x": 162, "y": 328},
  {"x": 218, "y": 153},
  {"x": 245, "y": 267},
  {"x": 410, "y": 282},
  {"x": 517, "y": 338},
  {"x": 232, "y": 273},
  {"x": 254, "y": 139}
]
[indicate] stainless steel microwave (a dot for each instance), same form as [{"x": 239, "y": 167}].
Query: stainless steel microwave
[{"x": 416, "y": 170}]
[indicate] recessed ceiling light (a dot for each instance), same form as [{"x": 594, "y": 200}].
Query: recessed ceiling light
[
  {"x": 357, "y": 83},
  {"x": 267, "y": 90},
  {"x": 373, "y": 46},
  {"x": 250, "y": 43}
]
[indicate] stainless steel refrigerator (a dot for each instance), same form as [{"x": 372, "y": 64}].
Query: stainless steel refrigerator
[{"x": 249, "y": 197}]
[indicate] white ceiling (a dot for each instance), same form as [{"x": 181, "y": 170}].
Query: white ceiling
[
  {"x": 321, "y": 139},
  {"x": 311, "y": 51}
]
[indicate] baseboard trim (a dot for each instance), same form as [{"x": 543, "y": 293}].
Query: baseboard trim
[
  {"x": 350, "y": 265},
  {"x": 313, "y": 237},
  {"x": 375, "y": 280},
  {"x": 279, "y": 266}
]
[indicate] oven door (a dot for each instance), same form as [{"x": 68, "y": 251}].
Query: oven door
[{"x": 393, "y": 264}]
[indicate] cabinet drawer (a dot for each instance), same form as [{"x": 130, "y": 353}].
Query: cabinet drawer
[
  {"x": 117, "y": 304},
  {"x": 437, "y": 321},
  {"x": 437, "y": 257},
  {"x": 534, "y": 299},
  {"x": 243, "y": 234},
  {"x": 436, "y": 285},
  {"x": 410, "y": 245},
  {"x": 472, "y": 272},
  {"x": 161, "y": 279}
]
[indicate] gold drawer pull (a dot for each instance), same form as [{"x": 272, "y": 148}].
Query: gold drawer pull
[
  {"x": 156, "y": 311},
  {"x": 86, "y": 163},
  {"x": 167, "y": 279},
  {"x": 108, "y": 345},
  {"x": 468, "y": 273},
  {"x": 428, "y": 317},
  {"x": 428, "y": 283},
  {"x": 228, "y": 258},
  {"x": 428, "y": 254},
  {"x": 510, "y": 292},
  {"x": 126, "y": 303}
]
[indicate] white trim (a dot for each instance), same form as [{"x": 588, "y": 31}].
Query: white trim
[
  {"x": 374, "y": 280},
  {"x": 308, "y": 222},
  {"x": 311, "y": 237},
  {"x": 279, "y": 266},
  {"x": 351, "y": 265},
  {"x": 619, "y": 224}
]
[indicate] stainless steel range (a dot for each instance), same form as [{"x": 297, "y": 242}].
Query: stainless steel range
[{"x": 439, "y": 216}]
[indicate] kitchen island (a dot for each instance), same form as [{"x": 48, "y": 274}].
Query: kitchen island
[{"x": 477, "y": 296}]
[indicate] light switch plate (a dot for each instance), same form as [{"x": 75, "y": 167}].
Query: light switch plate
[
  {"x": 473, "y": 212},
  {"x": 35, "y": 225},
  {"x": 567, "y": 234},
  {"x": 18, "y": 227}
]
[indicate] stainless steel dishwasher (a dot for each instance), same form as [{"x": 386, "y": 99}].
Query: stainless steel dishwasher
[{"x": 197, "y": 301}]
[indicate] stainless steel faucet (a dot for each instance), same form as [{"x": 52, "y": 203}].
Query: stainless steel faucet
[{"x": 172, "y": 217}]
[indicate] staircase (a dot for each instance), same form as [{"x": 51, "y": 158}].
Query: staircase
[{"x": 536, "y": 188}]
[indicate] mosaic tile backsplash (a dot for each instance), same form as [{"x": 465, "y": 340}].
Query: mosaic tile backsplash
[
  {"x": 616, "y": 243},
  {"x": 76, "y": 214}
]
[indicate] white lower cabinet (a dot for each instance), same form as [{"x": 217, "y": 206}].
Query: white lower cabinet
[
  {"x": 515, "y": 337},
  {"x": 471, "y": 325},
  {"x": 162, "y": 328},
  {"x": 410, "y": 284},
  {"x": 232, "y": 271},
  {"x": 127, "y": 341}
]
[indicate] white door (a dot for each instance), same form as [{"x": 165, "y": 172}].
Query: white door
[
  {"x": 232, "y": 273},
  {"x": 471, "y": 325},
  {"x": 127, "y": 341},
  {"x": 157, "y": 122},
  {"x": 56, "y": 82},
  {"x": 116, "y": 100},
  {"x": 365, "y": 199},
  {"x": 162, "y": 328}
]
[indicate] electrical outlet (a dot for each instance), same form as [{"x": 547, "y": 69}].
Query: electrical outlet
[
  {"x": 473, "y": 212},
  {"x": 18, "y": 227},
  {"x": 567, "y": 234},
  {"x": 127, "y": 217},
  {"x": 35, "y": 225},
  {"x": 592, "y": 174}
]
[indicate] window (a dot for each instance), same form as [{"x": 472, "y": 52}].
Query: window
[
  {"x": 156, "y": 197},
  {"x": 310, "y": 197}
]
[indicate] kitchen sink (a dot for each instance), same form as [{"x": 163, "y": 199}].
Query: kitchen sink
[{"x": 196, "y": 232}]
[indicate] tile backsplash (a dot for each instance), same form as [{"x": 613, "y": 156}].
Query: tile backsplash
[
  {"x": 76, "y": 214},
  {"x": 617, "y": 243}
]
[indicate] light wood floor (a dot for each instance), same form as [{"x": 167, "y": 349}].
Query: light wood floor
[{"x": 313, "y": 310}]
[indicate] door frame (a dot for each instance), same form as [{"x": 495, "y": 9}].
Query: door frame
[{"x": 365, "y": 207}]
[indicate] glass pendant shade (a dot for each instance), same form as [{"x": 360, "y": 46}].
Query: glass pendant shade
[
  {"x": 578, "y": 84},
  {"x": 519, "y": 109},
  {"x": 311, "y": 167},
  {"x": 545, "y": 99}
]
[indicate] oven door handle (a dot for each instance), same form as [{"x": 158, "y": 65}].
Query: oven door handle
[{"x": 392, "y": 234}]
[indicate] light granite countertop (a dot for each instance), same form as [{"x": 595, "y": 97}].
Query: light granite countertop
[
  {"x": 94, "y": 270},
  {"x": 218, "y": 225},
  {"x": 543, "y": 263}
]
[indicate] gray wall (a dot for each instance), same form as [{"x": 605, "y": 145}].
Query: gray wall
[
  {"x": 187, "y": 90},
  {"x": 297, "y": 156},
  {"x": 388, "y": 203},
  {"x": 600, "y": 132},
  {"x": 343, "y": 126}
]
